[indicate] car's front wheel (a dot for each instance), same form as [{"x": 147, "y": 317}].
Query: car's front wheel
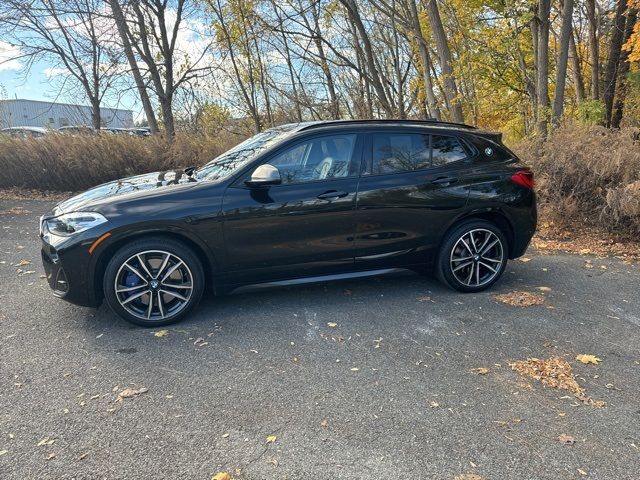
[
  {"x": 153, "y": 282},
  {"x": 473, "y": 256}
]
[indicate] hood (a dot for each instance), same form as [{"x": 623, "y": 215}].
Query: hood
[{"x": 125, "y": 186}]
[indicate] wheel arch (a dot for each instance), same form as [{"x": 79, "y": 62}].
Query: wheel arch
[
  {"x": 207, "y": 260},
  {"x": 494, "y": 216}
]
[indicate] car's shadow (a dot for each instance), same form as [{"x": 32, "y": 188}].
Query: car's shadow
[{"x": 251, "y": 305}]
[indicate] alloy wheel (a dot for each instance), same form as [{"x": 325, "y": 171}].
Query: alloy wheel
[
  {"x": 477, "y": 257},
  {"x": 154, "y": 285}
]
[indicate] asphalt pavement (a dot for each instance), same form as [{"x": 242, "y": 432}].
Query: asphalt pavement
[{"x": 363, "y": 379}]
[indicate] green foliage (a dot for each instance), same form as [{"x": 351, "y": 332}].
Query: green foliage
[
  {"x": 590, "y": 112},
  {"x": 211, "y": 117}
]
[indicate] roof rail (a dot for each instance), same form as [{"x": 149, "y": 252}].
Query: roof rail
[{"x": 430, "y": 121}]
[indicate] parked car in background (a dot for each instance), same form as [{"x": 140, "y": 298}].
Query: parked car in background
[
  {"x": 24, "y": 132},
  {"x": 140, "y": 131},
  {"x": 297, "y": 203},
  {"x": 77, "y": 130}
]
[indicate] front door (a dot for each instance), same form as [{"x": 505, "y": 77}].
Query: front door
[{"x": 305, "y": 225}]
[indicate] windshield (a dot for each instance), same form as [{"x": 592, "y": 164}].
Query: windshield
[{"x": 230, "y": 161}]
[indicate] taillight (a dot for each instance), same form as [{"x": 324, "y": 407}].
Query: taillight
[{"x": 524, "y": 178}]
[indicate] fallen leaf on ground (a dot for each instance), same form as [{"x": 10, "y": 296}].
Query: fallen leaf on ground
[
  {"x": 524, "y": 259},
  {"x": 83, "y": 456},
  {"x": 271, "y": 438},
  {"x": 566, "y": 439},
  {"x": 46, "y": 441},
  {"x": 3, "y": 452},
  {"x": 434, "y": 404},
  {"x": 161, "y": 333},
  {"x": 425, "y": 299},
  {"x": 22, "y": 263},
  {"x": 554, "y": 372},
  {"x": 520, "y": 298},
  {"x": 324, "y": 423},
  {"x": 469, "y": 476},
  {"x": 221, "y": 476},
  {"x": 480, "y": 370},
  {"x": 332, "y": 324},
  {"x": 131, "y": 392},
  {"x": 582, "y": 472},
  {"x": 588, "y": 359},
  {"x": 51, "y": 456},
  {"x": 544, "y": 289},
  {"x": 225, "y": 435}
]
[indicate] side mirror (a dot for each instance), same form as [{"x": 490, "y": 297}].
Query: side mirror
[{"x": 265, "y": 175}]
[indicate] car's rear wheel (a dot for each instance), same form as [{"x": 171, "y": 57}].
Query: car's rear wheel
[
  {"x": 473, "y": 256},
  {"x": 153, "y": 282}
]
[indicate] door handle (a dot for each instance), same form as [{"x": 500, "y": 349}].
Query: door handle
[
  {"x": 332, "y": 195},
  {"x": 444, "y": 180}
]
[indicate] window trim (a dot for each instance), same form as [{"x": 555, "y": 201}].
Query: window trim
[{"x": 367, "y": 156}]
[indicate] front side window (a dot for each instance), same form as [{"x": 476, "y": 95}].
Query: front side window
[
  {"x": 407, "y": 152},
  {"x": 319, "y": 158}
]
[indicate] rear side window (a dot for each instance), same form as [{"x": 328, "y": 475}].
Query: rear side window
[
  {"x": 407, "y": 152},
  {"x": 446, "y": 150}
]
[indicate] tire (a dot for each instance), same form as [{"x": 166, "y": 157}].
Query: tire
[
  {"x": 161, "y": 269},
  {"x": 468, "y": 267}
]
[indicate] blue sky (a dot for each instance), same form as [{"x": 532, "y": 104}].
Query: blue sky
[{"x": 38, "y": 86}]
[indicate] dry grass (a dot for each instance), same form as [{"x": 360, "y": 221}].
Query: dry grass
[
  {"x": 588, "y": 175},
  {"x": 72, "y": 163}
]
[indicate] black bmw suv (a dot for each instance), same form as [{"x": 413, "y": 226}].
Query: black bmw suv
[{"x": 296, "y": 203}]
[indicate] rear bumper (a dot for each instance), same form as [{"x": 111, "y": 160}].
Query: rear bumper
[
  {"x": 67, "y": 274},
  {"x": 525, "y": 222}
]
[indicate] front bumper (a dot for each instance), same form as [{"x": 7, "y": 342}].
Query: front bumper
[{"x": 67, "y": 268}]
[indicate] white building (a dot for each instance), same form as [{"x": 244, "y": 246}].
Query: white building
[{"x": 35, "y": 113}]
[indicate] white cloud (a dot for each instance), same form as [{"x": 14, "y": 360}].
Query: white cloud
[
  {"x": 55, "y": 71},
  {"x": 8, "y": 54}
]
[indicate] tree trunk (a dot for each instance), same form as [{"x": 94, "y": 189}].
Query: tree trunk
[
  {"x": 576, "y": 71},
  {"x": 623, "y": 70},
  {"x": 334, "y": 106},
  {"x": 167, "y": 118},
  {"x": 611, "y": 72},
  {"x": 432, "y": 105},
  {"x": 373, "y": 76},
  {"x": 544, "y": 9},
  {"x": 444, "y": 54},
  {"x": 566, "y": 33},
  {"x": 96, "y": 121},
  {"x": 593, "y": 49},
  {"x": 124, "y": 33}
]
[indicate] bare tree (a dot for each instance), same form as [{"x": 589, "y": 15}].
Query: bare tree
[
  {"x": 446, "y": 62},
  {"x": 593, "y": 48},
  {"x": 72, "y": 36},
  {"x": 561, "y": 70},
  {"x": 542, "y": 67},
  {"x": 125, "y": 36},
  {"x": 154, "y": 28}
]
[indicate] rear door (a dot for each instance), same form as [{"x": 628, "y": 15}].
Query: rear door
[
  {"x": 412, "y": 185},
  {"x": 303, "y": 227}
]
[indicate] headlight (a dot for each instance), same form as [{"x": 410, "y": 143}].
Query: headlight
[{"x": 75, "y": 222}]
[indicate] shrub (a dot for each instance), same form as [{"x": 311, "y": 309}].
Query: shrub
[
  {"x": 58, "y": 162},
  {"x": 588, "y": 174}
]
